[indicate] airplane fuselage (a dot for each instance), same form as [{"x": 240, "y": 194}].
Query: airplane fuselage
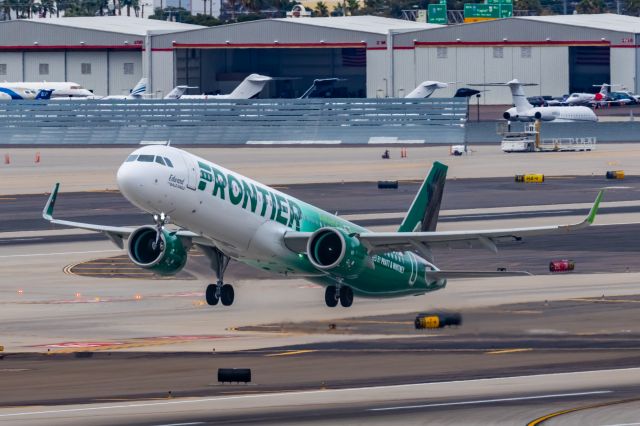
[
  {"x": 556, "y": 114},
  {"x": 247, "y": 221}
]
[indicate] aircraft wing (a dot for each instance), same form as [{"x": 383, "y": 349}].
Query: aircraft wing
[
  {"x": 117, "y": 234},
  {"x": 380, "y": 242}
]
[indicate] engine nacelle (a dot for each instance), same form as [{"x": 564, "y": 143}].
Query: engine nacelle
[
  {"x": 507, "y": 116},
  {"x": 333, "y": 250},
  {"x": 544, "y": 116},
  {"x": 167, "y": 258}
]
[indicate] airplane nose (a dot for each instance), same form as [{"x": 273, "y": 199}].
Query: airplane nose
[{"x": 126, "y": 179}]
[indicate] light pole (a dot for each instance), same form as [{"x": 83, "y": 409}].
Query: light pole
[{"x": 478, "y": 106}]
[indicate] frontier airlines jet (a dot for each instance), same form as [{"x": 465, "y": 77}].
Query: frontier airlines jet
[{"x": 229, "y": 216}]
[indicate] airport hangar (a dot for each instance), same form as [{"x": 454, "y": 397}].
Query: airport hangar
[
  {"x": 376, "y": 57},
  {"x": 561, "y": 54},
  {"x": 104, "y": 54}
]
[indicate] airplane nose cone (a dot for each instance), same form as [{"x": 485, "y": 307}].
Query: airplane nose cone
[{"x": 126, "y": 180}]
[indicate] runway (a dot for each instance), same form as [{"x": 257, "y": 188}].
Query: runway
[{"x": 147, "y": 337}]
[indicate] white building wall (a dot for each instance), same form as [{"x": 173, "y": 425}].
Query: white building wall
[
  {"x": 162, "y": 73},
  {"x": 436, "y": 64},
  {"x": 55, "y": 61},
  {"x": 526, "y": 68},
  {"x": 498, "y": 68},
  {"x": 469, "y": 70},
  {"x": 404, "y": 72},
  {"x": 13, "y": 62},
  {"x": 377, "y": 86},
  {"x": 96, "y": 81},
  {"x": 623, "y": 68},
  {"x": 554, "y": 70},
  {"x": 119, "y": 82}
]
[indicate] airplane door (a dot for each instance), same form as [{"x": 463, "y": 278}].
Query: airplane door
[
  {"x": 414, "y": 269},
  {"x": 192, "y": 171}
]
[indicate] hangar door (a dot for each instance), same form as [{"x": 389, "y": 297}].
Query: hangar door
[
  {"x": 219, "y": 71},
  {"x": 588, "y": 65}
]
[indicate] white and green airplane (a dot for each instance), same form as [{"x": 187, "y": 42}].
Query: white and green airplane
[{"x": 229, "y": 216}]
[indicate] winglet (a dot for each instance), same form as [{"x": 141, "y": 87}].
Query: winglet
[
  {"x": 594, "y": 209},
  {"x": 47, "y": 212}
]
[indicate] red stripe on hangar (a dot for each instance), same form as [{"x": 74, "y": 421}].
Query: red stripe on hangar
[{"x": 271, "y": 45}]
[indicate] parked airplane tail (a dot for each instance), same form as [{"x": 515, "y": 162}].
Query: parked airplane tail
[
  {"x": 519, "y": 99},
  {"x": 139, "y": 88},
  {"x": 250, "y": 87},
  {"x": 425, "y": 209},
  {"x": 44, "y": 94},
  {"x": 426, "y": 89},
  {"x": 178, "y": 91}
]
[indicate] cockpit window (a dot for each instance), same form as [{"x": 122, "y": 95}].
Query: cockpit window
[
  {"x": 169, "y": 163},
  {"x": 159, "y": 160},
  {"x": 146, "y": 158},
  {"x": 131, "y": 158}
]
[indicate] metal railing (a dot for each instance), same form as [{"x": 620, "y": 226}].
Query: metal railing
[{"x": 232, "y": 121}]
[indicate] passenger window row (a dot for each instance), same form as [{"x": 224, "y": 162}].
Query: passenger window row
[{"x": 150, "y": 159}]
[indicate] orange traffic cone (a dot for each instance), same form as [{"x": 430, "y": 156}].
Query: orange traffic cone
[
  {"x": 7, "y": 159},
  {"x": 37, "y": 160}
]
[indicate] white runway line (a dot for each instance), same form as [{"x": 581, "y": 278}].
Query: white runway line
[
  {"x": 489, "y": 401},
  {"x": 58, "y": 254}
]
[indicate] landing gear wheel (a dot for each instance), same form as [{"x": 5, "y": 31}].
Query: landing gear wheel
[
  {"x": 346, "y": 296},
  {"x": 212, "y": 294},
  {"x": 227, "y": 294},
  {"x": 331, "y": 296}
]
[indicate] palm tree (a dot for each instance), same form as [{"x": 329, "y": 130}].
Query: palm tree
[
  {"x": 353, "y": 6},
  {"x": 321, "y": 9}
]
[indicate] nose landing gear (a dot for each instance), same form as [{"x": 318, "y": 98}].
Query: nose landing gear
[{"x": 340, "y": 293}]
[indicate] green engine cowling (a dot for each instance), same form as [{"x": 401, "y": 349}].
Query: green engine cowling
[
  {"x": 333, "y": 250},
  {"x": 167, "y": 258}
]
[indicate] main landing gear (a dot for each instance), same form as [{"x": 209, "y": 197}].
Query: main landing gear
[
  {"x": 340, "y": 293},
  {"x": 220, "y": 291}
]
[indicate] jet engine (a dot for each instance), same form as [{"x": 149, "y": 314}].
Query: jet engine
[
  {"x": 165, "y": 255},
  {"x": 335, "y": 251},
  {"x": 544, "y": 116}
]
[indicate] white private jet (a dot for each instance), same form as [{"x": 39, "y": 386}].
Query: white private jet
[
  {"x": 229, "y": 216},
  {"x": 59, "y": 89},
  {"x": 590, "y": 98},
  {"x": 249, "y": 88},
  {"x": 136, "y": 93},
  {"x": 23, "y": 93},
  {"x": 426, "y": 89},
  {"x": 524, "y": 111}
]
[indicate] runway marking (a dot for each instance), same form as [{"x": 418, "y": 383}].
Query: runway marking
[
  {"x": 598, "y": 300},
  {"x": 544, "y": 418},
  {"x": 266, "y": 395},
  {"x": 488, "y": 401},
  {"x": 57, "y": 254},
  {"x": 509, "y": 351},
  {"x": 624, "y": 424},
  {"x": 303, "y": 351},
  {"x": 181, "y": 424},
  {"x": 8, "y": 198}
]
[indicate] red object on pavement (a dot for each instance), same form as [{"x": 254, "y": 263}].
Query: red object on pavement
[{"x": 563, "y": 265}]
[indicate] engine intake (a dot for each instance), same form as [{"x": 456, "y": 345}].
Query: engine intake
[
  {"x": 167, "y": 258},
  {"x": 332, "y": 249}
]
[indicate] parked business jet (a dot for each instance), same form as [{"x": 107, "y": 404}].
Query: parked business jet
[
  {"x": 59, "y": 88},
  {"x": 590, "y": 98},
  {"x": 426, "y": 89},
  {"x": 524, "y": 111},
  {"x": 23, "y": 93},
  {"x": 136, "y": 93},
  {"x": 249, "y": 88},
  {"x": 229, "y": 216}
]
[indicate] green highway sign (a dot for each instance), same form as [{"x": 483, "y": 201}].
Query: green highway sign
[
  {"x": 438, "y": 14},
  {"x": 480, "y": 11},
  {"x": 506, "y": 10}
]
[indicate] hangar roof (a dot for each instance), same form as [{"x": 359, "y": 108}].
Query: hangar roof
[
  {"x": 119, "y": 24},
  {"x": 601, "y": 21},
  {"x": 367, "y": 24}
]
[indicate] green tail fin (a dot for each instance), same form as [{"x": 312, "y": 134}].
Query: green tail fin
[{"x": 423, "y": 213}]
